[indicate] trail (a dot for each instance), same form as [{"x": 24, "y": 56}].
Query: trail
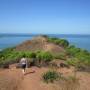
[
  {"x": 32, "y": 80},
  {"x": 15, "y": 80}
]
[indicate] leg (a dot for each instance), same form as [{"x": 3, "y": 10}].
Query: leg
[{"x": 23, "y": 71}]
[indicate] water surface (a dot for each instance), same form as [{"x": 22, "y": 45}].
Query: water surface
[{"x": 81, "y": 41}]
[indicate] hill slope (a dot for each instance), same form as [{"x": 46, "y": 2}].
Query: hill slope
[
  {"x": 14, "y": 80},
  {"x": 39, "y": 43}
]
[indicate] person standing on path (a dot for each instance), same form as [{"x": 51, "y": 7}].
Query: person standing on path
[{"x": 23, "y": 63}]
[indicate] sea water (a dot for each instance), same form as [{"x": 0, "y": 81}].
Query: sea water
[{"x": 81, "y": 41}]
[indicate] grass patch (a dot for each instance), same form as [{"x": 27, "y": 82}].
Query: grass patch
[{"x": 50, "y": 76}]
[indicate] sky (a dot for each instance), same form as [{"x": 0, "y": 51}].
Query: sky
[{"x": 45, "y": 16}]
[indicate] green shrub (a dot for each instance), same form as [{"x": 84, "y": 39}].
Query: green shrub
[
  {"x": 79, "y": 58},
  {"x": 30, "y": 54},
  {"x": 72, "y": 50},
  {"x": 64, "y": 43},
  {"x": 61, "y": 56},
  {"x": 45, "y": 56},
  {"x": 12, "y": 56},
  {"x": 72, "y": 61},
  {"x": 61, "y": 42},
  {"x": 75, "y": 62},
  {"x": 50, "y": 76},
  {"x": 79, "y": 64}
]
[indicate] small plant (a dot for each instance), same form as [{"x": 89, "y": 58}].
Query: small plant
[
  {"x": 45, "y": 56},
  {"x": 50, "y": 76},
  {"x": 72, "y": 61},
  {"x": 61, "y": 42},
  {"x": 61, "y": 56},
  {"x": 30, "y": 54}
]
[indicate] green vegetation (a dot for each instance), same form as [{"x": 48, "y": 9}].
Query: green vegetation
[
  {"x": 72, "y": 50},
  {"x": 73, "y": 56},
  {"x": 10, "y": 56},
  {"x": 60, "y": 42},
  {"x": 45, "y": 56},
  {"x": 61, "y": 56},
  {"x": 50, "y": 76},
  {"x": 78, "y": 57},
  {"x": 62, "y": 82}
]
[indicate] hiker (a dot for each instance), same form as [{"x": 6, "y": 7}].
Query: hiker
[{"x": 23, "y": 63}]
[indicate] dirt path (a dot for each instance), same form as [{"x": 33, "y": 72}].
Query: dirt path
[
  {"x": 32, "y": 80},
  {"x": 13, "y": 79},
  {"x": 9, "y": 79}
]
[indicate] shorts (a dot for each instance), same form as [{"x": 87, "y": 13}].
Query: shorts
[{"x": 23, "y": 66}]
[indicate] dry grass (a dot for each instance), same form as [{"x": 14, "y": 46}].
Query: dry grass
[
  {"x": 8, "y": 81},
  {"x": 71, "y": 83}
]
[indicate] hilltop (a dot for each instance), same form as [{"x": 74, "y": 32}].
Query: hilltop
[{"x": 39, "y": 43}]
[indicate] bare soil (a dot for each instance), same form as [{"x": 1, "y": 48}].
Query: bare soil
[{"x": 13, "y": 79}]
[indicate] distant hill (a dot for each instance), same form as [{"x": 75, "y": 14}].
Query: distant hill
[{"x": 39, "y": 43}]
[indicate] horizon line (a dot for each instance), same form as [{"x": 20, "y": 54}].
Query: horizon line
[{"x": 42, "y": 34}]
